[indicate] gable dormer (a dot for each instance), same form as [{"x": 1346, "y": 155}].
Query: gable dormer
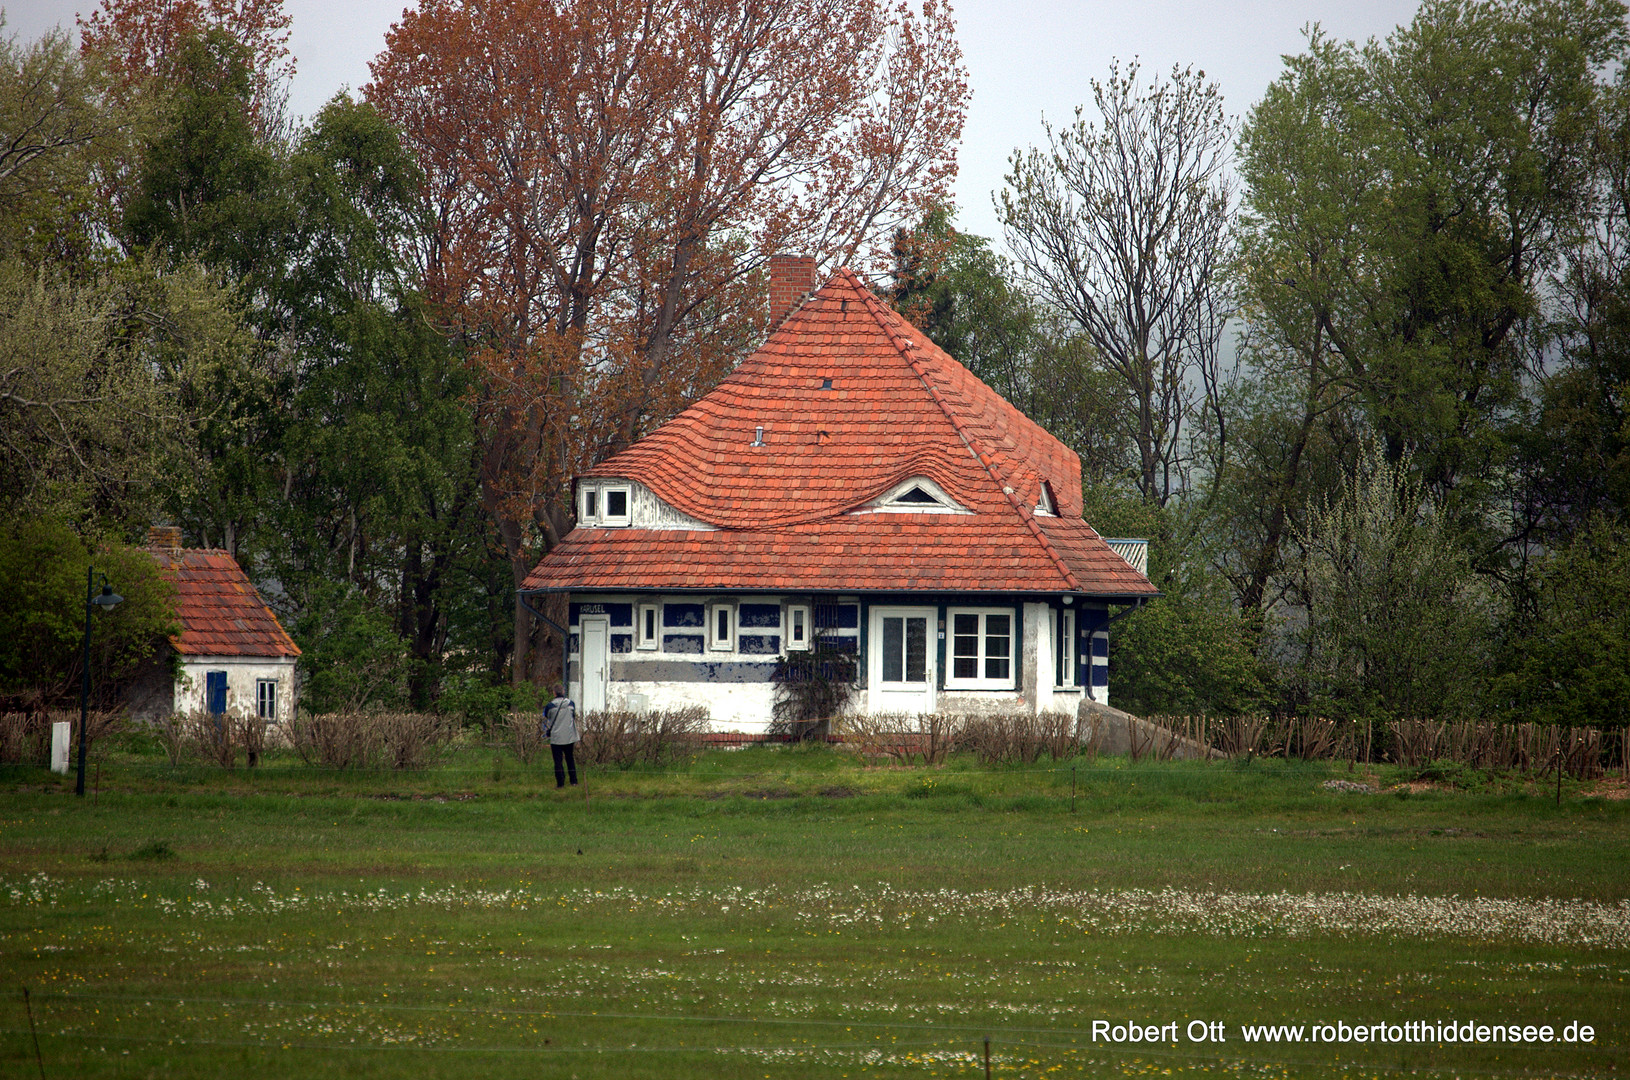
[{"x": 918, "y": 495}]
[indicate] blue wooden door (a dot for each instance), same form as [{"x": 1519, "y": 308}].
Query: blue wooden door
[{"x": 215, "y": 692}]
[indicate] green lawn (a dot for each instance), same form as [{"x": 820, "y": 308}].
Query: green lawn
[{"x": 787, "y": 913}]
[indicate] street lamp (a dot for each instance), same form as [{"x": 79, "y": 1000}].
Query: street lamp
[{"x": 105, "y": 600}]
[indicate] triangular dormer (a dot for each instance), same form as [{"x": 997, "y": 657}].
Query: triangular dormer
[{"x": 918, "y": 495}]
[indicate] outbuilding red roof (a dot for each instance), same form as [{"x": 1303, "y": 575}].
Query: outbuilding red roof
[
  {"x": 221, "y": 613},
  {"x": 852, "y": 400}
]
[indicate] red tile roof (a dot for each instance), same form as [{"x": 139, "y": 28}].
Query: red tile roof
[
  {"x": 897, "y": 407},
  {"x": 221, "y": 613}
]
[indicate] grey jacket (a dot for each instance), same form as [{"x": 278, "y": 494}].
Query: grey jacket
[{"x": 560, "y": 721}]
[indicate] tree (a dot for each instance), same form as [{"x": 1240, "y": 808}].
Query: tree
[
  {"x": 1571, "y": 663},
  {"x": 1123, "y": 226},
  {"x": 380, "y": 515},
  {"x": 141, "y": 43},
  {"x": 1398, "y": 624},
  {"x": 971, "y": 302},
  {"x": 608, "y": 180},
  {"x": 57, "y": 134},
  {"x": 42, "y": 613}
]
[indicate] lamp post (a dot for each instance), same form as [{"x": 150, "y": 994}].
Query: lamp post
[{"x": 105, "y": 600}]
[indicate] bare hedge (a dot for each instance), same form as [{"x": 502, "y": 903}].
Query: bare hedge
[
  {"x": 372, "y": 739},
  {"x": 25, "y": 737},
  {"x": 995, "y": 739},
  {"x": 1582, "y": 752},
  {"x": 652, "y": 737}
]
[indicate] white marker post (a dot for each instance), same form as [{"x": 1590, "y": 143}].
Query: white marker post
[{"x": 59, "y": 747}]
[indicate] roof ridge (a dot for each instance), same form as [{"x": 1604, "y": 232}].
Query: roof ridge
[{"x": 908, "y": 349}]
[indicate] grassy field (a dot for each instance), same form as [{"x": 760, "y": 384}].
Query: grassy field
[{"x": 789, "y": 913}]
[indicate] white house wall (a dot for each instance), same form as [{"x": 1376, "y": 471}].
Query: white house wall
[
  {"x": 734, "y": 685},
  {"x": 242, "y": 674}
]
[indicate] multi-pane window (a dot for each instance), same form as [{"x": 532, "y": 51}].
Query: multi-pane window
[
  {"x": 905, "y": 648},
  {"x": 266, "y": 699},
  {"x": 981, "y": 649}
]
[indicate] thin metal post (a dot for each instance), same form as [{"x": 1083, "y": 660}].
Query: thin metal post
[
  {"x": 987, "y": 1057},
  {"x": 40, "y": 1061},
  {"x": 85, "y": 683},
  {"x": 1072, "y": 789}
]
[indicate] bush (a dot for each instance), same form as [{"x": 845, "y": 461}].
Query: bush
[
  {"x": 521, "y": 733},
  {"x": 812, "y": 688},
  {"x": 372, "y": 740},
  {"x": 214, "y": 738},
  {"x": 653, "y": 737},
  {"x": 25, "y": 737},
  {"x": 1021, "y": 738},
  {"x": 906, "y": 737}
]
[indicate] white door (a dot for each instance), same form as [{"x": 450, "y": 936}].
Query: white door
[
  {"x": 900, "y": 669},
  {"x": 596, "y": 635}
]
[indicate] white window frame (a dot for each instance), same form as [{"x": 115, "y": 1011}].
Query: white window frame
[
  {"x": 609, "y": 519},
  {"x": 588, "y": 504},
  {"x": 715, "y": 642},
  {"x": 1067, "y": 650},
  {"x": 793, "y": 613},
  {"x": 888, "y": 502},
  {"x": 654, "y": 613},
  {"x": 262, "y": 686},
  {"x": 981, "y": 683},
  {"x": 1044, "y": 502}
]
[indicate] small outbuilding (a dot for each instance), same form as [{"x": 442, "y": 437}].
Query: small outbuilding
[
  {"x": 851, "y": 482},
  {"x": 232, "y": 656}
]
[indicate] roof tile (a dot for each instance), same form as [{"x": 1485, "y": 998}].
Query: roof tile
[
  {"x": 898, "y": 407},
  {"x": 221, "y": 613}
]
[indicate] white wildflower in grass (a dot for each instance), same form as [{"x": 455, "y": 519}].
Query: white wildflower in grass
[{"x": 1525, "y": 920}]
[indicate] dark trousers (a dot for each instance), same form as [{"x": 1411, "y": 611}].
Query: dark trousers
[{"x": 563, "y": 754}]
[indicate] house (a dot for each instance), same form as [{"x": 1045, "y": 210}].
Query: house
[
  {"x": 848, "y": 479},
  {"x": 232, "y": 655}
]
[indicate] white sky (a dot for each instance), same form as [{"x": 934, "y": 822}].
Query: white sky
[{"x": 1024, "y": 59}]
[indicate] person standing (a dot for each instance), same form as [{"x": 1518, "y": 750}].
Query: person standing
[{"x": 560, "y": 728}]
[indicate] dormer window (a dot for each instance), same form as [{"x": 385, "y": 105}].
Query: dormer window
[
  {"x": 603, "y": 504},
  {"x": 918, "y": 495},
  {"x": 1044, "y": 501}
]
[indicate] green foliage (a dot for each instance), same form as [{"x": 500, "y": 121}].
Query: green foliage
[
  {"x": 1398, "y": 624},
  {"x": 1190, "y": 650},
  {"x": 60, "y": 135},
  {"x": 207, "y": 186},
  {"x": 1572, "y": 665},
  {"x": 42, "y": 613},
  {"x": 351, "y": 656}
]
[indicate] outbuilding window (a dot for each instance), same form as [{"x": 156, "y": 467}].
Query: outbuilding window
[
  {"x": 981, "y": 649},
  {"x": 266, "y": 699}
]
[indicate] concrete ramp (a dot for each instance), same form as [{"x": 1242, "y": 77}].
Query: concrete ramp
[{"x": 1120, "y": 732}]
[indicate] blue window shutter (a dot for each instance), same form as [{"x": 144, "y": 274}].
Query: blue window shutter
[{"x": 215, "y": 692}]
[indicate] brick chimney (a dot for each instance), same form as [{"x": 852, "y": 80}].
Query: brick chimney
[
  {"x": 792, "y": 277},
  {"x": 164, "y": 537}
]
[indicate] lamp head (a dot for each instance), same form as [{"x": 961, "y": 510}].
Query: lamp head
[{"x": 108, "y": 598}]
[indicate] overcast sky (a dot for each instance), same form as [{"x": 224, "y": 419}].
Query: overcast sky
[{"x": 1024, "y": 59}]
